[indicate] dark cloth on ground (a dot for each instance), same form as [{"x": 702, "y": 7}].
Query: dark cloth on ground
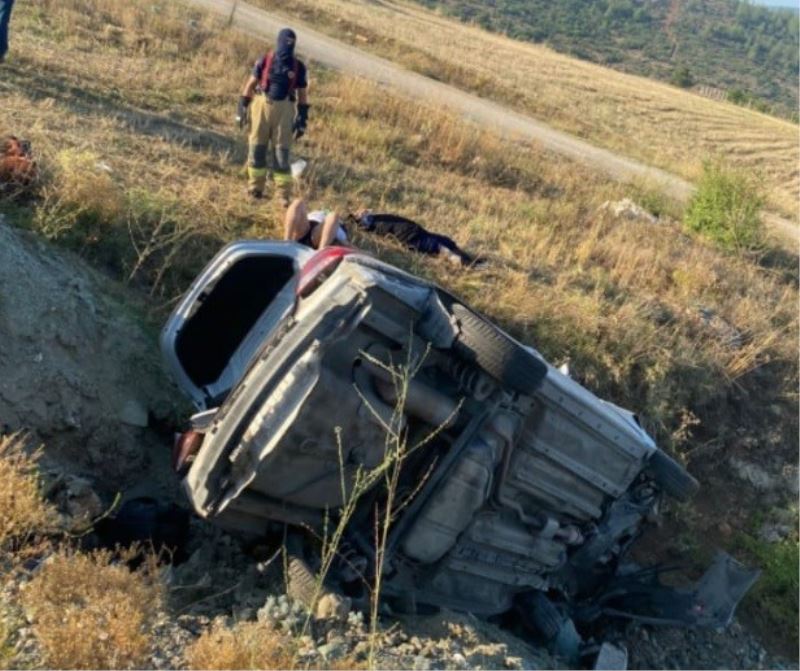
[{"x": 411, "y": 234}]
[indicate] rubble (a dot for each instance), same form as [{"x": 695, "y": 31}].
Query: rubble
[
  {"x": 725, "y": 333},
  {"x": 76, "y": 500}
]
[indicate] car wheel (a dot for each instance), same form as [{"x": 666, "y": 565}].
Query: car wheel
[
  {"x": 301, "y": 583},
  {"x": 540, "y": 615},
  {"x": 672, "y": 477},
  {"x": 493, "y": 351}
]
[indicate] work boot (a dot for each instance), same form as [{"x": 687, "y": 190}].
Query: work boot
[{"x": 284, "y": 185}]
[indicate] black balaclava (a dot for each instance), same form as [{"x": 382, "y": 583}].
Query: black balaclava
[{"x": 284, "y": 51}]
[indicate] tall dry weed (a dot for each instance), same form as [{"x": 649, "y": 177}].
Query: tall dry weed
[
  {"x": 24, "y": 515},
  {"x": 80, "y": 201}
]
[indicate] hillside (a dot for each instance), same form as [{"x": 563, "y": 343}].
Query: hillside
[
  {"x": 129, "y": 112},
  {"x": 749, "y": 52},
  {"x": 659, "y": 124}
]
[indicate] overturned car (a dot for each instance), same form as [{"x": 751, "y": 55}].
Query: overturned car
[{"x": 521, "y": 489}]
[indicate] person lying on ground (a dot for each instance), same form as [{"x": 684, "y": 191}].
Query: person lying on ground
[
  {"x": 317, "y": 229},
  {"x": 413, "y": 236}
]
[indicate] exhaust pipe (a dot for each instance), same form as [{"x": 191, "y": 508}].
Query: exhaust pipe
[{"x": 421, "y": 401}]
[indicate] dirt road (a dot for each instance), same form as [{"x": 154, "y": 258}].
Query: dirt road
[{"x": 484, "y": 113}]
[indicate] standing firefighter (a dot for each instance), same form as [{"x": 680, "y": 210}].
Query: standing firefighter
[{"x": 278, "y": 81}]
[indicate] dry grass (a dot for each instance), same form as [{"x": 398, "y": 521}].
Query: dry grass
[
  {"x": 24, "y": 516},
  {"x": 659, "y": 124},
  {"x": 252, "y": 645},
  {"x": 80, "y": 194},
  {"x": 91, "y": 613},
  {"x": 246, "y": 645}
]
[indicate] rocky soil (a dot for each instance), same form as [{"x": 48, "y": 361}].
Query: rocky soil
[
  {"x": 81, "y": 374},
  {"x": 77, "y": 368}
]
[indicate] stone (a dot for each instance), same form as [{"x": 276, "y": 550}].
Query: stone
[
  {"x": 791, "y": 481},
  {"x": 333, "y": 607},
  {"x": 727, "y": 334},
  {"x": 332, "y": 650},
  {"x": 752, "y": 473},
  {"x": 361, "y": 651},
  {"x": 774, "y": 532},
  {"x": 133, "y": 413},
  {"x": 422, "y": 663},
  {"x": 627, "y": 209},
  {"x": 75, "y": 498}
]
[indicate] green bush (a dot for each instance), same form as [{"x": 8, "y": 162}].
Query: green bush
[
  {"x": 726, "y": 208},
  {"x": 737, "y": 96},
  {"x": 682, "y": 77},
  {"x": 776, "y": 592}
]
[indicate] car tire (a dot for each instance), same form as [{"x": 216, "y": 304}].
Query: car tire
[
  {"x": 540, "y": 615},
  {"x": 483, "y": 344},
  {"x": 672, "y": 477},
  {"x": 301, "y": 583}
]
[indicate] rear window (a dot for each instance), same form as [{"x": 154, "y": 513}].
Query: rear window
[{"x": 226, "y": 314}]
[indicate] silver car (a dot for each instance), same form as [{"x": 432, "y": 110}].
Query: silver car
[{"x": 526, "y": 493}]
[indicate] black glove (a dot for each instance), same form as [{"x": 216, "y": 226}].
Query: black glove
[
  {"x": 241, "y": 111},
  {"x": 300, "y": 121}
]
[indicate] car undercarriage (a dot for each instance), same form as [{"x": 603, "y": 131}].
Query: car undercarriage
[{"x": 408, "y": 443}]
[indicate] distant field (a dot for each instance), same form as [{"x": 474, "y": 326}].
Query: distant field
[
  {"x": 659, "y": 124},
  {"x": 736, "y": 47}
]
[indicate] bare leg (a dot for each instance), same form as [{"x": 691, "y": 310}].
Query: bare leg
[
  {"x": 325, "y": 235},
  {"x": 296, "y": 223}
]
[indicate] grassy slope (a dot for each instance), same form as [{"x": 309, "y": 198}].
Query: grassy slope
[
  {"x": 150, "y": 95},
  {"x": 723, "y": 43},
  {"x": 656, "y": 123}
]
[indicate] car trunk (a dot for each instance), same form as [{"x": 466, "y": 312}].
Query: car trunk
[{"x": 226, "y": 312}]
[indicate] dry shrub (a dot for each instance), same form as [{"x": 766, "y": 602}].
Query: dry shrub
[
  {"x": 80, "y": 200},
  {"x": 24, "y": 515},
  {"x": 252, "y": 645},
  {"x": 246, "y": 645},
  {"x": 91, "y": 613}
]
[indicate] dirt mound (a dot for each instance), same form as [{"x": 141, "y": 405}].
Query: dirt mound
[{"x": 77, "y": 368}]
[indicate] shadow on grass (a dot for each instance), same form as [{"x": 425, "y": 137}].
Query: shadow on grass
[
  {"x": 783, "y": 263},
  {"x": 39, "y": 84}
]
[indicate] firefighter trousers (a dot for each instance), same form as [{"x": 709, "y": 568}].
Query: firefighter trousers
[{"x": 270, "y": 134}]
